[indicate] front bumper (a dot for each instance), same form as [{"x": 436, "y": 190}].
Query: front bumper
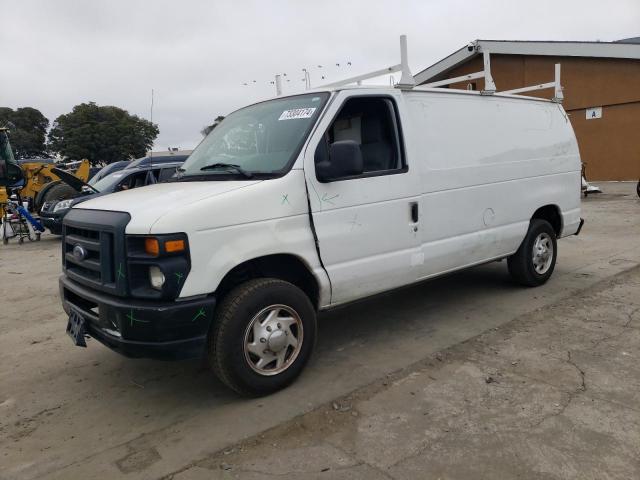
[{"x": 141, "y": 328}]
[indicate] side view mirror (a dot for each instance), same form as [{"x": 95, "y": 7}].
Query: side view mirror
[{"x": 345, "y": 160}]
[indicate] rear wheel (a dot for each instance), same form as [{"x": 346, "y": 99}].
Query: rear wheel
[
  {"x": 262, "y": 337},
  {"x": 533, "y": 263}
]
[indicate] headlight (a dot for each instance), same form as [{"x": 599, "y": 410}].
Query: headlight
[
  {"x": 156, "y": 277},
  {"x": 158, "y": 265},
  {"x": 63, "y": 205}
]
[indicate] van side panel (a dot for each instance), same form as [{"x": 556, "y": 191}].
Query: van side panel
[{"x": 486, "y": 165}]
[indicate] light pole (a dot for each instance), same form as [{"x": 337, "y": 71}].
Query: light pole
[{"x": 307, "y": 78}]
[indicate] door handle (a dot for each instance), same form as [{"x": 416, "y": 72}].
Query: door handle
[{"x": 414, "y": 211}]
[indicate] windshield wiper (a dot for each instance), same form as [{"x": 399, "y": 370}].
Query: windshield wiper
[{"x": 230, "y": 166}]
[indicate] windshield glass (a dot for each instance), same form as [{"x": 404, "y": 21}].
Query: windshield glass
[
  {"x": 260, "y": 139},
  {"x": 109, "y": 182}
]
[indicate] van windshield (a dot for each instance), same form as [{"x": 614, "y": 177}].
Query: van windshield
[{"x": 261, "y": 140}]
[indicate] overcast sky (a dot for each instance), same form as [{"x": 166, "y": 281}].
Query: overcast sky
[{"x": 196, "y": 55}]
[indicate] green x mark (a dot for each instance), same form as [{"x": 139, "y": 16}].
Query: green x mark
[
  {"x": 120, "y": 272},
  {"x": 201, "y": 313},
  {"x": 133, "y": 319}
]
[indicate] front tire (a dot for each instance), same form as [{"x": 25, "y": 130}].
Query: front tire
[
  {"x": 262, "y": 337},
  {"x": 534, "y": 261}
]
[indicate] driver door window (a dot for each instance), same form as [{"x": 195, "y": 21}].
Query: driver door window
[{"x": 372, "y": 123}]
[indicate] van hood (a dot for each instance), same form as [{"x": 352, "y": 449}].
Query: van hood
[{"x": 148, "y": 204}]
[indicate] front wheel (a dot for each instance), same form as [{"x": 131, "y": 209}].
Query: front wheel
[
  {"x": 533, "y": 263},
  {"x": 262, "y": 337}
]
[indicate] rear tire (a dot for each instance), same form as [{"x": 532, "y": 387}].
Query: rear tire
[
  {"x": 534, "y": 261},
  {"x": 262, "y": 337}
]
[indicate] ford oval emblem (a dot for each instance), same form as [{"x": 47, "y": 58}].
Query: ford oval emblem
[{"x": 79, "y": 252}]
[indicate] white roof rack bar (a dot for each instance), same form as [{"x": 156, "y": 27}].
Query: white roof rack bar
[
  {"x": 449, "y": 81},
  {"x": 540, "y": 86},
  {"x": 406, "y": 81},
  {"x": 556, "y": 85},
  {"x": 489, "y": 84},
  {"x": 364, "y": 76}
]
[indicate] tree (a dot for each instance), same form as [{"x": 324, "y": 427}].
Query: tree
[
  {"x": 206, "y": 130},
  {"x": 27, "y": 131},
  {"x": 101, "y": 134}
]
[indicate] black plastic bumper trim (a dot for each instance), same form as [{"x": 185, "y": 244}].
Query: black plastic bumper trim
[{"x": 140, "y": 328}]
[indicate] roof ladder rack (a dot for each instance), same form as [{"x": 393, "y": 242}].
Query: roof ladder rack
[
  {"x": 556, "y": 85},
  {"x": 406, "y": 79},
  {"x": 408, "y": 82},
  {"x": 490, "y": 86}
]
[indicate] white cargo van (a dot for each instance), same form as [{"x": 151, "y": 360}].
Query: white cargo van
[{"x": 301, "y": 203}]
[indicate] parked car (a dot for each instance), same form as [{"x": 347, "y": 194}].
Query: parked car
[
  {"x": 306, "y": 202},
  {"x": 52, "y": 213},
  {"x": 107, "y": 169},
  {"x": 158, "y": 158}
]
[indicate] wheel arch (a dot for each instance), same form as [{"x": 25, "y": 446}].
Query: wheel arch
[
  {"x": 284, "y": 266},
  {"x": 551, "y": 213}
]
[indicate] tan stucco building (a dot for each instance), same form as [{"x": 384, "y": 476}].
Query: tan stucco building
[{"x": 601, "y": 83}]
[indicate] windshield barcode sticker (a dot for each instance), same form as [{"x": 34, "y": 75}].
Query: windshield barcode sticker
[{"x": 297, "y": 113}]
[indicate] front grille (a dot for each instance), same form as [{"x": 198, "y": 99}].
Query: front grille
[
  {"x": 97, "y": 263},
  {"x": 93, "y": 249}
]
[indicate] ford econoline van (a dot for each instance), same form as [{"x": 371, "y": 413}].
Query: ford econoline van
[{"x": 301, "y": 203}]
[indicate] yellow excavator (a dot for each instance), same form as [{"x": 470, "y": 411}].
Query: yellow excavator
[{"x": 41, "y": 184}]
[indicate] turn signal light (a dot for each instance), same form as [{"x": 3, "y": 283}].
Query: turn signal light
[
  {"x": 172, "y": 246},
  {"x": 151, "y": 246}
]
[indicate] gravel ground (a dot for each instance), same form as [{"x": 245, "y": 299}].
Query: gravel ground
[{"x": 553, "y": 394}]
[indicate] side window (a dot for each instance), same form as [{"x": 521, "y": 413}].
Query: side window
[
  {"x": 166, "y": 174},
  {"x": 371, "y": 122}
]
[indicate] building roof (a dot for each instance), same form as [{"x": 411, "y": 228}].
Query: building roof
[
  {"x": 629, "y": 40},
  {"x": 628, "y": 48}
]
